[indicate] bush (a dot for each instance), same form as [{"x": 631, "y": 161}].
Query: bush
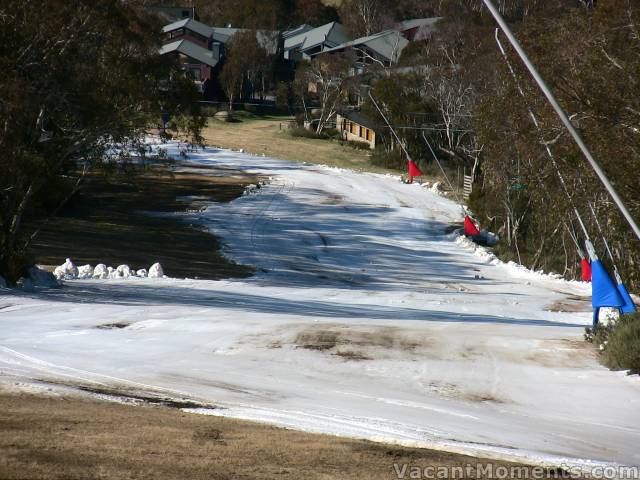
[
  {"x": 393, "y": 160},
  {"x": 619, "y": 343},
  {"x": 331, "y": 132},
  {"x": 357, "y": 145},
  {"x": 622, "y": 351},
  {"x": 306, "y": 133}
]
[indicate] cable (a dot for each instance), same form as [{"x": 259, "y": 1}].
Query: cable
[
  {"x": 390, "y": 127},
  {"x": 535, "y": 122},
  {"x": 563, "y": 116}
]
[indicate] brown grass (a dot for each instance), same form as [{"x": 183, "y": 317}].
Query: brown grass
[
  {"x": 264, "y": 136},
  {"x": 71, "y": 438}
]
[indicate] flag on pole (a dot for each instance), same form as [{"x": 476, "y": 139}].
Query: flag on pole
[
  {"x": 414, "y": 171},
  {"x": 470, "y": 228}
]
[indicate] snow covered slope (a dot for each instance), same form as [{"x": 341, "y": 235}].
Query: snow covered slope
[{"x": 365, "y": 318}]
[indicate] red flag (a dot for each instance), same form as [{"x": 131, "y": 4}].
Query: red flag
[
  {"x": 414, "y": 171},
  {"x": 586, "y": 270},
  {"x": 470, "y": 228}
]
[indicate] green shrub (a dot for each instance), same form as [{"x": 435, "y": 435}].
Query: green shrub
[
  {"x": 305, "y": 133},
  {"x": 331, "y": 132},
  {"x": 622, "y": 348},
  {"x": 393, "y": 160},
  {"x": 357, "y": 145}
]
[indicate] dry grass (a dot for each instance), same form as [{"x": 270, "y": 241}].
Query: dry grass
[
  {"x": 263, "y": 136},
  {"x": 70, "y": 438}
]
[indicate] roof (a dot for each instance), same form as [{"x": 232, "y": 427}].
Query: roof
[
  {"x": 425, "y": 26},
  {"x": 189, "y": 24},
  {"x": 330, "y": 35},
  {"x": 360, "y": 119},
  {"x": 418, "y": 22},
  {"x": 191, "y": 50},
  {"x": 388, "y": 44},
  {"x": 297, "y": 31},
  {"x": 267, "y": 39}
]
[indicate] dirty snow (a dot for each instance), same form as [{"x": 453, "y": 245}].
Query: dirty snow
[{"x": 366, "y": 317}]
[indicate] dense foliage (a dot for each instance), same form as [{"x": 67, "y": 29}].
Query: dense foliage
[
  {"x": 619, "y": 343},
  {"x": 76, "y": 78}
]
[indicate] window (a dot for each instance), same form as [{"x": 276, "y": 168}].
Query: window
[
  {"x": 195, "y": 74},
  {"x": 369, "y": 135},
  {"x": 361, "y": 132}
]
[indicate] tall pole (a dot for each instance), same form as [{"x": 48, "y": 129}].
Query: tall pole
[{"x": 563, "y": 116}]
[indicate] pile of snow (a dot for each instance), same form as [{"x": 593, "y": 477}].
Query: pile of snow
[
  {"x": 101, "y": 272},
  {"x": 68, "y": 271},
  {"x": 156, "y": 271},
  {"x": 3, "y": 282}
]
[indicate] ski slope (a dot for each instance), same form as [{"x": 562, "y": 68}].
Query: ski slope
[{"x": 364, "y": 318}]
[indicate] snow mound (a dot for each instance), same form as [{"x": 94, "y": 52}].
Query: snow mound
[
  {"x": 100, "y": 271},
  {"x": 142, "y": 273},
  {"x": 156, "y": 271},
  {"x": 85, "y": 271},
  {"x": 66, "y": 271},
  {"x": 122, "y": 271},
  {"x": 3, "y": 282}
]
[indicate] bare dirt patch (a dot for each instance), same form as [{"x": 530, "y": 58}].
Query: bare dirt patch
[
  {"x": 112, "y": 326},
  {"x": 357, "y": 343},
  {"x": 571, "y": 304},
  {"x": 106, "y": 223},
  {"x": 71, "y": 438}
]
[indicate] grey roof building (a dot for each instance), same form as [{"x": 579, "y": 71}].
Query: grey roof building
[
  {"x": 308, "y": 42},
  {"x": 190, "y": 25},
  {"x": 418, "y": 28},
  {"x": 384, "y": 47},
  {"x": 191, "y": 50}
]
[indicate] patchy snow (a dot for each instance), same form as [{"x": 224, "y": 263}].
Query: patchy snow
[{"x": 365, "y": 318}]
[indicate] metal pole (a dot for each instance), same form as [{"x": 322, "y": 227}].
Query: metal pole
[
  {"x": 389, "y": 125},
  {"x": 563, "y": 116}
]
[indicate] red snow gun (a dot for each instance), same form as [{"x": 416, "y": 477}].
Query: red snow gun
[
  {"x": 470, "y": 228},
  {"x": 585, "y": 266},
  {"x": 414, "y": 171}
]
